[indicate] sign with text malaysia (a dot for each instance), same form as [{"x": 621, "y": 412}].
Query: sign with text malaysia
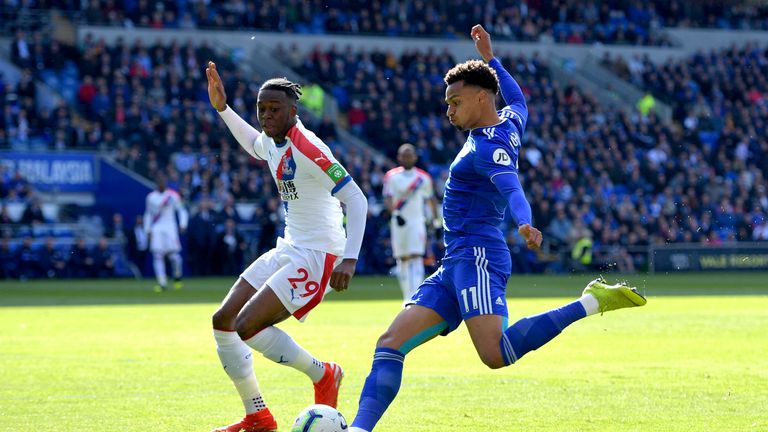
[
  {"x": 54, "y": 171},
  {"x": 694, "y": 257}
]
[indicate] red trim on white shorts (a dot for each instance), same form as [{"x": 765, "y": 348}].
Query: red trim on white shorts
[{"x": 318, "y": 297}]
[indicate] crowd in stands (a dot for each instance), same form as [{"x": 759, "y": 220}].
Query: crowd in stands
[
  {"x": 720, "y": 100},
  {"x": 598, "y": 179},
  {"x": 567, "y": 21},
  {"x": 620, "y": 180},
  {"x": 28, "y": 238}
]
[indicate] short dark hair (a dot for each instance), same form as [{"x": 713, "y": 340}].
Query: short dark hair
[
  {"x": 473, "y": 72},
  {"x": 290, "y": 88}
]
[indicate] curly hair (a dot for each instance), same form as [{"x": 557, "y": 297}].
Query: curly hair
[
  {"x": 473, "y": 72},
  {"x": 290, "y": 88}
]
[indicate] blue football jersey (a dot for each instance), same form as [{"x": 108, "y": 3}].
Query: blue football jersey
[{"x": 473, "y": 207}]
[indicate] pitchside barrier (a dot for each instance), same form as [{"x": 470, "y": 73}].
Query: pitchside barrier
[{"x": 697, "y": 257}]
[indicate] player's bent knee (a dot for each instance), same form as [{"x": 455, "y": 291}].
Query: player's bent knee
[
  {"x": 245, "y": 328},
  {"x": 222, "y": 320},
  {"x": 493, "y": 360},
  {"x": 388, "y": 340}
]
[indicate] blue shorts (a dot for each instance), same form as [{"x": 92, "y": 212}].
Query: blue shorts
[{"x": 466, "y": 285}]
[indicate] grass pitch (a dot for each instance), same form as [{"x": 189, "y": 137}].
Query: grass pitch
[{"x": 113, "y": 356}]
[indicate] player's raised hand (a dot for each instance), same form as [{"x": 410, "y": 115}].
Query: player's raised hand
[
  {"x": 342, "y": 274},
  {"x": 482, "y": 41},
  {"x": 216, "y": 92},
  {"x": 531, "y": 235}
]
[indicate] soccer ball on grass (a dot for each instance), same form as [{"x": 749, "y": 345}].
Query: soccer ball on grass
[{"x": 319, "y": 418}]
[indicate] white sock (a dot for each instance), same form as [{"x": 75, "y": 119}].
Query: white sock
[
  {"x": 279, "y": 347},
  {"x": 357, "y": 429},
  {"x": 417, "y": 274},
  {"x": 590, "y": 304},
  {"x": 237, "y": 359},
  {"x": 403, "y": 277},
  {"x": 176, "y": 263},
  {"x": 158, "y": 261}
]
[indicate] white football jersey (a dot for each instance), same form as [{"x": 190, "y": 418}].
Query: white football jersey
[
  {"x": 307, "y": 177},
  {"x": 160, "y": 211},
  {"x": 408, "y": 190}
]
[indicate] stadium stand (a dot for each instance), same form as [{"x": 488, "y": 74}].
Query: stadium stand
[
  {"x": 604, "y": 183},
  {"x": 566, "y": 21}
]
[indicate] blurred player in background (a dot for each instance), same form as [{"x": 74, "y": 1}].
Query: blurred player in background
[
  {"x": 470, "y": 284},
  {"x": 314, "y": 256},
  {"x": 406, "y": 190},
  {"x": 163, "y": 205}
]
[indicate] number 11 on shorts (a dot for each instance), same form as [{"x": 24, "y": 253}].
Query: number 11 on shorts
[{"x": 472, "y": 296}]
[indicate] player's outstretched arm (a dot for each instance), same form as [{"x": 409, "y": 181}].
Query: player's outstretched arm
[
  {"x": 182, "y": 213},
  {"x": 510, "y": 89},
  {"x": 244, "y": 133},
  {"x": 531, "y": 235},
  {"x": 216, "y": 92},
  {"x": 509, "y": 186},
  {"x": 357, "y": 213}
]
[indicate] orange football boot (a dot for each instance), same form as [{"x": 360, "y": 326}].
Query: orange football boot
[
  {"x": 327, "y": 389},
  {"x": 261, "y": 421}
]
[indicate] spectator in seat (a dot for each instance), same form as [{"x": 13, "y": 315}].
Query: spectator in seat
[
  {"x": 201, "y": 239},
  {"x": 7, "y": 260},
  {"x": 80, "y": 260},
  {"x": 27, "y": 259},
  {"x": 231, "y": 247},
  {"x": 33, "y": 213},
  {"x": 53, "y": 262},
  {"x": 103, "y": 259}
]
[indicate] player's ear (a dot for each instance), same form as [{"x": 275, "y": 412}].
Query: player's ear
[
  {"x": 482, "y": 96},
  {"x": 294, "y": 108}
]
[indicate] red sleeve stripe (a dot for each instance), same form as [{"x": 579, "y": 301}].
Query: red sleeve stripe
[{"x": 308, "y": 149}]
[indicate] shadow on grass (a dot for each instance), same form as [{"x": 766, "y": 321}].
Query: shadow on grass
[{"x": 213, "y": 290}]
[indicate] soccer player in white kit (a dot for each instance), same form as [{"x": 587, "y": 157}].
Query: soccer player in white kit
[
  {"x": 406, "y": 190},
  {"x": 160, "y": 225},
  {"x": 314, "y": 257}
]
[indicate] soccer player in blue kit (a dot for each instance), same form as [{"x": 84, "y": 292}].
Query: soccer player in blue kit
[{"x": 470, "y": 284}]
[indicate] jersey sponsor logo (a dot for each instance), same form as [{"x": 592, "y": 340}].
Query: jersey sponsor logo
[
  {"x": 489, "y": 132},
  {"x": 514, "y": 138},
  {"x": 320, "y": 159},
  {"x": 287, "y": 189},
  {"x": 501, "y": 157},
  {"x": 336, "y": 172}
]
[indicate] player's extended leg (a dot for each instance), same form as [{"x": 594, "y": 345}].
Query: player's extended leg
[
  {"x": 414, "y": 326},
  {"x": 177, "y": 265},
  {"x": 416, "y": 273},
  {"x": 404, "y": 277},
  {"x": 237, "y": 359},
  {"x": 499, "y": 347},
  {"x": 158, "y": 262},
  {"x": 255, "y": 324}
]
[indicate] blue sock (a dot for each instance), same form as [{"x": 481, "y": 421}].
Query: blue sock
[
  {"x": 380, "y": 387},
  {"x": 531, "y": 333}
]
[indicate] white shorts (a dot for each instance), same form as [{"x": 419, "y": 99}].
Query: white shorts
[
  {"x": 298, "y": 276},
  {"x": 409, "y": 239},
  {"x": 164, "y": 241}
]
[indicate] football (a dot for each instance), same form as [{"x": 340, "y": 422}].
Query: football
[{"x": 319, "y": 418}]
